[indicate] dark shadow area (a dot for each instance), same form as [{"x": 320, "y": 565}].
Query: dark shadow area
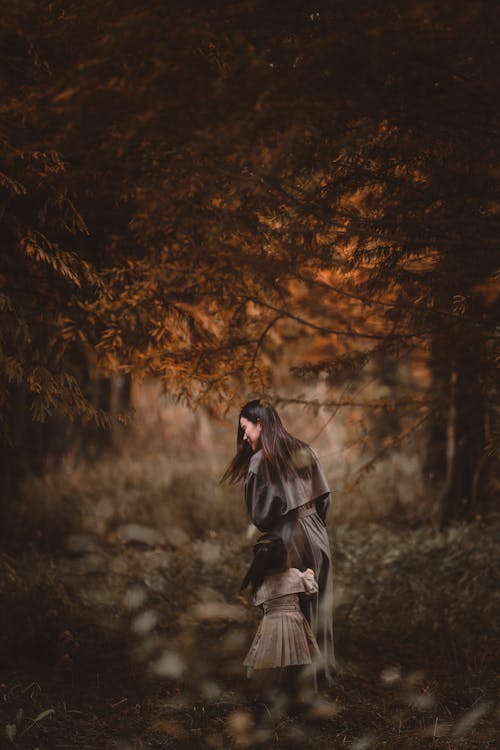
[{"x": 127, "y": 645}]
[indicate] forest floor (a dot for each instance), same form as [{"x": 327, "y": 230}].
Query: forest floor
[{"x": 124, "y": 641}]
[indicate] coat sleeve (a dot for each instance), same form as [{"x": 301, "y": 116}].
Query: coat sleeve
[{"x": 264, "y": 505}]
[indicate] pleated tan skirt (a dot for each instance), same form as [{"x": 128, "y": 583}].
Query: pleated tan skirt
[{"x": 283, "y": 638}]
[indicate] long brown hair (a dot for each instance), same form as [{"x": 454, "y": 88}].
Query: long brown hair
[{"x": 282, "y": 453}]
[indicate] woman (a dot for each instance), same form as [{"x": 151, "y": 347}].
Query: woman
[{"x": 286, "y": 493}]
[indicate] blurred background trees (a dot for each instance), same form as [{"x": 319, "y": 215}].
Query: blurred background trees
[{"x": 207, "y": 193}]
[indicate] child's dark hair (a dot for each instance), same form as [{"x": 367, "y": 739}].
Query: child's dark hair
[{"x": 269, "y": 554}]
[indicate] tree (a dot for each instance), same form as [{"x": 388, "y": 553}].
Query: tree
[{"x": 248, "y": 173}]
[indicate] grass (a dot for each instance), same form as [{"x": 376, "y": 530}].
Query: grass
[
  {"x": 130, "y": 645},
  {"x": 123, "y": 627}
]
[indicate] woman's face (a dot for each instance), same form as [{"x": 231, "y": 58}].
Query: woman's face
[{"x": 251, "y": 431}]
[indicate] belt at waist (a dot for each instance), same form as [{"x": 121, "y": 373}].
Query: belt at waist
[
  {"x": 306, "y": 510},
  {"x": 276, "y": 607}
]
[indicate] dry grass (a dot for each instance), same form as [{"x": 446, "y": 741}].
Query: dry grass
[
  {"x": 176, "y": 484},
  {"x": 159, "y": 491}
]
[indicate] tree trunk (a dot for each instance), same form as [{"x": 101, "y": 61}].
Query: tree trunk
[
  {"x": 436, "y": 459},
  {"x": 468, "y": 432}
]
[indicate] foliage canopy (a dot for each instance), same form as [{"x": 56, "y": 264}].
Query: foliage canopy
[{"x": 187, "y": 187}]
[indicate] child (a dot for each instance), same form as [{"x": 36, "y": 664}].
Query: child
[{"x": 284, "y": 637}]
